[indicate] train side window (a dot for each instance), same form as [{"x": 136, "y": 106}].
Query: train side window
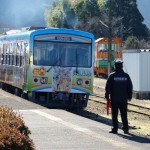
[
  {"x": 1, "y": 59},
  {"x": 17, "y": 60},
  {"x": 18, "y": 55},
  {"x": 113, "y": 46},
  {"x": 14, "y": 59},
  {"x": 102, "y": 47},
  {"x": 21, "y": 60},
  {"x": 25, "y": 53},
  {"x": 11, "y": 59},
  {"x": 8, "y": 54},
  {"x": 21, "y": 53},
  {"x": 1, "y": 53},
  {"x": 4, "y": 62},
  {"x": 14, "y": 54},
  {"x": 117, "y": 47},
  {"x": 4, "y": 54},
  {"x": 8, "y": 59}
]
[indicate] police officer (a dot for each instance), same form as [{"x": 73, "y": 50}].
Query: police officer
[{"x": 119, "y": 90}]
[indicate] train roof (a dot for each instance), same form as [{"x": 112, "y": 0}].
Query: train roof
[
  {"x": 115, "y": 39},
  {"x": 43, "y": 30},
  {"x": 99, "y": 39}
]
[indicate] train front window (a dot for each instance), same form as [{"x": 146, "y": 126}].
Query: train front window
[{"x": 62, "y": 54}]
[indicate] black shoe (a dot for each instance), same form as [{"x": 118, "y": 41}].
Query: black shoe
[
  {"x": 112, "y": 131},
  {"x": 126, "y": 132}
]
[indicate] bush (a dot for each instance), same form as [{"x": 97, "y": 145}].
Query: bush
[{"x": 14, "y": 135}]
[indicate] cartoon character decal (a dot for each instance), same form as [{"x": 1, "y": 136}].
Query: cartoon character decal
[{"x": 61, "y": 79}]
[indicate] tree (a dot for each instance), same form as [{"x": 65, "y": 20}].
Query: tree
[
  {"x": 88, "y": 13},
  {"x": 131, "y": 17},
  {"x": 60, "y": 14},
  {"x": 132, "y": 42}
]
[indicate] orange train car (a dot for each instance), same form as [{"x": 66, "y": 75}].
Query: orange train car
[{"x": 101, "y": 55}]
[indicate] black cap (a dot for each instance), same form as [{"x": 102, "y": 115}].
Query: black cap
[{"x": 118, "y": 63}]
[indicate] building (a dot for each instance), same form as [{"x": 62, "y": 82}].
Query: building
[{"x": 137, "y": 65}]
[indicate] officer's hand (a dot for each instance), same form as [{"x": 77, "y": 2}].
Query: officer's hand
[{"x": 107, "y": 99}]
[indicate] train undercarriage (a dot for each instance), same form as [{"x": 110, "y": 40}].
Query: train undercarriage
[{"x": 51, "y": 99}]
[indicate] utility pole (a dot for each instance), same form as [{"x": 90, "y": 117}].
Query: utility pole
[
  {"x": 110, "y": 40},
  {"x": 109, "y": 52},
  {"x": 121, "y": 32}
]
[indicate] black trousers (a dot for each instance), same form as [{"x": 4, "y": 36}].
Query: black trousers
[{"x": 122, "y": 106}]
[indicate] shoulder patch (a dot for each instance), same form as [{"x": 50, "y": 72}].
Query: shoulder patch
[{"x": 120, "y": 78}]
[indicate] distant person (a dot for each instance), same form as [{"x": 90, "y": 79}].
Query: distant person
[{"x": 119, "y": 91}]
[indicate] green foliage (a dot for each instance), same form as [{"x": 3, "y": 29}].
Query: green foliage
[
  {"x": 85, "y": 9},
  {"x": 14, "y": 135},
  {"x": 88, "y": 15},
  {"x": 53, "y": 15},
  {"x": 101, "y": 5},
  {"x": 131, "y": 43},
  {"x": 100, "y": 17},
  {"x": 60, "y": 15}
]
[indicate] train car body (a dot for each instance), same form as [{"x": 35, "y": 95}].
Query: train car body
[
  {"x": 50, "y": 65},
  {"x": 101, "y": 55}
]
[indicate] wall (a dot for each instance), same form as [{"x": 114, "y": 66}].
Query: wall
[{"x": 137, "y": 65}]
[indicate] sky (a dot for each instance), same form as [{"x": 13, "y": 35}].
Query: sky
[
  {"x": 144, "y": 8},
  {"x": 22, "y": 13}
]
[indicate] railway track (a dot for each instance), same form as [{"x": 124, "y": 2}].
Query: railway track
[{"x": 131, "y": 107}]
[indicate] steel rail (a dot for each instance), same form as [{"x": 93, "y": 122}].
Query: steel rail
[
  {"x": 129, "y": 110},
  {"x": 128, "y": 103}
]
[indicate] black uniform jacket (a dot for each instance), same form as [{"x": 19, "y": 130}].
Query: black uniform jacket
[{"x": 119, "y": 86}]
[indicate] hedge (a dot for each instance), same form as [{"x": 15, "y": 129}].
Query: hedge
[{"x": 14, "y": 134}]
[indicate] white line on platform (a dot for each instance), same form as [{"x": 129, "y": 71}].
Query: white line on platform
[{"x": 46, "y": 115}]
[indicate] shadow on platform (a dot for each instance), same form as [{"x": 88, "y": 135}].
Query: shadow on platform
[
  {"x": 101, "y": 119},
  {"x": 135, "y": 138}
]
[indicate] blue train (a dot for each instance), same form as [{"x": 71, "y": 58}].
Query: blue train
[{"x": 48, "y": 66}]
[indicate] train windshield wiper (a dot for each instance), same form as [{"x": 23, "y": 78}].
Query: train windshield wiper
[
  {"x": 76, "y": 61},
  {"x": 58, "y": 60}
]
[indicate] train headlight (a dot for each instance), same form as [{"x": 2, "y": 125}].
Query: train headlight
[
  {"x": 44, "y": 80},
  {"x": 87, "y": 82},
  {"x": 40, "y": 80},
  {"x": 35, "y": 80},
  {"x": 79, "y": 81}
]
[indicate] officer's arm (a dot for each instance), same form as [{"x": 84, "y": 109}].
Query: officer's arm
[
  {"x": 108, "y": 87},
  {"x": 129, "y": 88}
]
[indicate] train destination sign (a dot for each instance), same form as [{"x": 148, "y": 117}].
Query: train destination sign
[{"x": 63, "y": 38}]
